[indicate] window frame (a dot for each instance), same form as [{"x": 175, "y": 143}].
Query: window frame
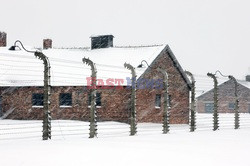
[
  {"x": 97, "y": 98},
  {"x": 38, "y": 99},
  {"x": 1, "y": 108},
  {"x": 205, "y": 106},
  {"x": 65, "y": 102},
  {"x": 229, "y": 106},
  {"x": 169, "y": 101},
  {"x": 157, "y": 100},
  {"x": 248, "y": 108}
]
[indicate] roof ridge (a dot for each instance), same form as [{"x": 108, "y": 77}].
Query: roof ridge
[
  {"x": 72, "y": 48},
  {"x": 129, "y": 46},
  {"x": 141, "y": 46}
]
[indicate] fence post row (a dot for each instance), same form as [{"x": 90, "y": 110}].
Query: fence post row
[
  {"x": 236, "y": 107},
  {"x": 193, "y": 109},
  {"x": 133, "y": 128},
  {"x": 165, "y": 104},
  {"x": 215, "y": 114},
  {"x": 133, "y": 124},
  {"x": 93, "y": 117},
  {"x": 46, "y": 102}
]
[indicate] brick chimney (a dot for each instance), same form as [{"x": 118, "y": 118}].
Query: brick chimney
[
  {"x": 248, "y": 78},
  {"x": 47, "y": 43},
  {"x": 101, "y": 41},
  {"x": 3, "y": 39}
]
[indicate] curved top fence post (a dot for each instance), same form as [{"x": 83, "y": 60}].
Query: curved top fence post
[
  {"x": 236, "y": 106},
  {"x": 133, "y": 128},
  {"x": 215, "y": 114},
  {"x": 92, "y": 119},
  {"x": 166, "y": 101},
  {"x": 192, "y": 109}
]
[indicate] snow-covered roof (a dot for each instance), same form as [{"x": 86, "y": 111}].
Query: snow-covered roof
[
  {"x": 221, "y": 82},
  {"x": 244, "y": 83},
  {"x": 20, "y": 68}
]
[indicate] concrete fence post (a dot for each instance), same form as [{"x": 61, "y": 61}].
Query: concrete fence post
[
  {"x": 46, "y": 100},
  {"x": 93, "y": 117},
  {"x": 133, "y": 128},
  {"x": 236, "y": 108},
  {"x": 192, "y": 109},
  {"x": 215, "y": 114},
  {"x": 166, "y": 101},
  {"x": 46, "y": 89}
]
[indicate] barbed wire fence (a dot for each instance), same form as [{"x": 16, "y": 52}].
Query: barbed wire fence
[{"x": 31, "y": 74}]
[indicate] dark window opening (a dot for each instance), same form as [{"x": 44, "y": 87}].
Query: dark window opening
[
  {"x": 65, "y": 99},
  {"x": 209, "y": 107},
  {"x": 248, "y": 108},
  {"x": 89, "y": 99},
  {"x": 231, "y": 106},
  {"x": 37, "y": 99},
  {"x": 169, "y": 101},
  {"x": 98, "y": 99},
  {"x": 1, "y": 111},
  {"x": 158, "y": 100}
]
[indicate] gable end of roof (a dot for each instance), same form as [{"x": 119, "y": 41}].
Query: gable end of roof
[{"x": 176, "y": 64}]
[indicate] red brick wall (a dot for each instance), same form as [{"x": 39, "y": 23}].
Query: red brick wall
[
  {"x": 226, "y": 96},
  {"x": 223, "y": 105},
  {"x": 114, "y": 103},
  {"x": 178, "y": 89}
]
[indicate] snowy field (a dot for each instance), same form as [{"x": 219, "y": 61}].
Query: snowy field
[{"x": 21, "y": 144}]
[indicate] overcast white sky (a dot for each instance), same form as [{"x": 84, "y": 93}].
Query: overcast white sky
[{"x": 205, "y": 35}]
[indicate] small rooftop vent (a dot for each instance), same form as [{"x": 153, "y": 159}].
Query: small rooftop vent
[
  {"x": 47, "y": 43},
  {"x": 101, "y": 41}
]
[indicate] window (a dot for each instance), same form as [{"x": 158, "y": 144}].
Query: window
[
  {"x": 1, "y": 111},
  {"x": 37, "y": 99},
  {"x": 65, "y": 99},
  {"x": 158, "y": 100},
  {"x": 249, "y": 108},
  {"x": 231, "y": 106},
  {"x": 98, "y": 99},
  {"x": 209, "y": 107},
  {"x": 169, "y": 101}
]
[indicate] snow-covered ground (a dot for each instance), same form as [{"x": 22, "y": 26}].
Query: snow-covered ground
[{"x": 70, "y": 144}]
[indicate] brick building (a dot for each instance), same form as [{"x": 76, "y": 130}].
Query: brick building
[
  {"x": 22, "y": 82},
  {"x": 226, "y": 98}
]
